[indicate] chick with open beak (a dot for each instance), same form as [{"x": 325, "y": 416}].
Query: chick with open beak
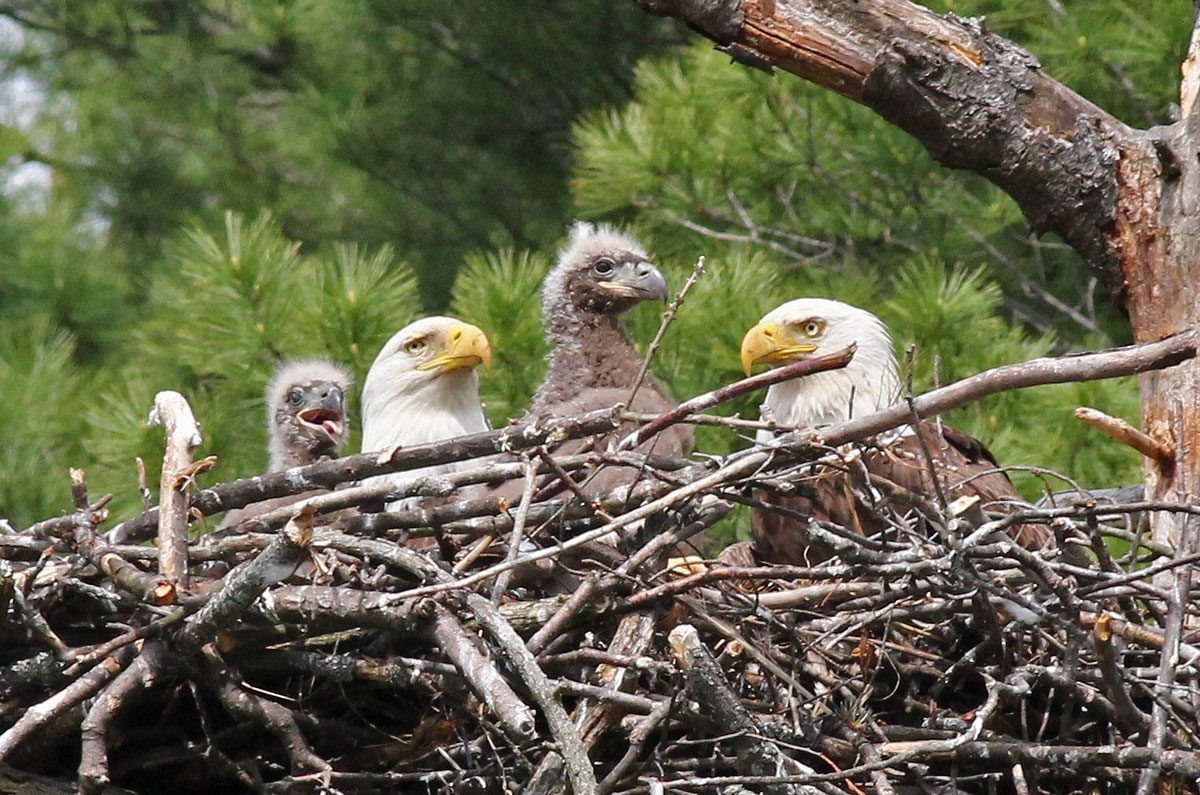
[{"x": 306, "y": 411}]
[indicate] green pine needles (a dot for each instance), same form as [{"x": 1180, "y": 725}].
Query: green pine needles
[{"x": 332, "y": 133}]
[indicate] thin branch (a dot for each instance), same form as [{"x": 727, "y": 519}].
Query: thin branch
[
  {"x": 518, "y": 531},
  {"x": 1111, "y": 363},
  {"x": 579, "y": 767},
  {"x": 724, "y": 394},
  {"x": 667, "y": 319}
]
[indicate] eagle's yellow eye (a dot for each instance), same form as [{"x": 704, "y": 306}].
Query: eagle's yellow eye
[
  {"x": 415, "y": 346},
  {"x": 812, "y": 328}
]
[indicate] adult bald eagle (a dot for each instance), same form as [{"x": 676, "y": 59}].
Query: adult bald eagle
[
  {"x": 600, "y": 274},
  {"x": 306, "y": 421},
  {"x": 423, "y": 388},
  {"x": 814, "y": 326}
]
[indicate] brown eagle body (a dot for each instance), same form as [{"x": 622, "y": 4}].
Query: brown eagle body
[
  {"x": 890, "y": 483},
  {"x": 593, "y": 363},
  {"x": 861, "y": 499}
]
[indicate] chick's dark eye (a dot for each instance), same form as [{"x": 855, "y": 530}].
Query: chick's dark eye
[
  {"x": 295, "y": 396},
  {"x": 603, "y": 267}
]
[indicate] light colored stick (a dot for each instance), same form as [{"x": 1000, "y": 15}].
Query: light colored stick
[
  {"x": 172, "y": 412},
  {"x": 575, "y": 755},
  {"x": 518, "y": 531},
  {"x": 1189, "y": 88},
  {"x": 1126, "y": 434}
]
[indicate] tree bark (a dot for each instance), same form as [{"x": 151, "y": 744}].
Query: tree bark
[{"x": 1125, "y": 199}]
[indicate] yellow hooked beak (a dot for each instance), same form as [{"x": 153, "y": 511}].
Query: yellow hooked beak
[
  {"x": 466, "y": 346},
  {"x": 767, "y": 343}
]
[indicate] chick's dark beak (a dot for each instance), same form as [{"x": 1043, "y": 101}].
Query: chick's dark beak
[
  {"x": 639, "y": 280},
  {"x": 323, "y": 409},
  {"x": 332, "y": 400}
]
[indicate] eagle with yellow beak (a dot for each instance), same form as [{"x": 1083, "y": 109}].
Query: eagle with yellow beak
[
  {"x": 963, "y": 465},
  {"x": 423, "y": 388}
]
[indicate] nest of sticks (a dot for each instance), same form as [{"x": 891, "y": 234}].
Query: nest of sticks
[{"x": 556, "y": 644}]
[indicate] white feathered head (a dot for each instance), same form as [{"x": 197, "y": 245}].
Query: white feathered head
[
  {"x": 423, "y": 387},
  {"x": 809, "y": 327}
]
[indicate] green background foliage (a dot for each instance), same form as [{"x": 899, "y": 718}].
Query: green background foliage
[{"x": 194, "y": 191}]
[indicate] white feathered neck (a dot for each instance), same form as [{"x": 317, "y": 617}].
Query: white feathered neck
[
  {"x": 398, "y": 412},
  {"x": 870, "y": 382}
]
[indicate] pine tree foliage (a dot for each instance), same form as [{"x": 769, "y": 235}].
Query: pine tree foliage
[
  {"x": 237, "y": 183},
  {"x": 500, "y": 293},
  {"x": 40, "y": 436},
  {"x": 440, "y": 128},
  {"x": 243, "y": 300}
]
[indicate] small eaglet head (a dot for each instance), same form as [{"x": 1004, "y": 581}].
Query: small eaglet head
[
  {"x": 307, "y": 401},
  {"x": 810, "y": 327},
  {"x": 425, "y": 351},
  {"x": 602, "y": 270}
]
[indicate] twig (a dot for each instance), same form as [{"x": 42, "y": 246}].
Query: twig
[
  {"x": 818, "y": 364},
  {"x": 243, "y": 586},
  {"x": 42, "y": 714},
  {"x": 588, "y": 590},
  {"x": 1131, "y": 718},
  {"x": 579, "y": 767},
  {"x": 667, "y": 319},
  {"x": 143, "y": 483},
  {"x": 1177, "y": 603},
  {"x": 1189, "y": 87},
  {"x": 326, "y": 474},
  {"x": 140, "y": 676},
  {"x": 707, "y": 686},
  {"x": 637, "y": 744},
  {"x": 38, "y": 625},
  {"x": 731, "y": 471},
  {"x": 1111, "y": 363},
  {"x": 242, "y": 703},
  {"x": 482, "y": 675},
  {"x": 518, "y": 531},
  {"x": 573, "y": 486}
]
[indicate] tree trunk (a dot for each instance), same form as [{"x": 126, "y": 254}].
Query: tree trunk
[{"x": 1127, "y": 200}]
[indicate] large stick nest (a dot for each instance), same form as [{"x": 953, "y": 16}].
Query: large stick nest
[{"x": 327, "y": 650}]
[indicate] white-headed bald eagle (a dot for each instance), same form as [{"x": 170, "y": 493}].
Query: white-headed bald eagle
[
  {"x": 423, "y": 388},
  {"x": 812, "y": 327}
]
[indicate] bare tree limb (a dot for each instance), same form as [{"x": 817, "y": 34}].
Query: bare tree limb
[
  {"x": 482, "y": 675},
  {"x": 724, "y": 394}
]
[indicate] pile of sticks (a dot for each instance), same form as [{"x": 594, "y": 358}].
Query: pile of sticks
[{"x": 565, "y": 642}]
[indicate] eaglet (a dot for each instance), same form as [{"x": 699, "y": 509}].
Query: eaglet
[
  {"x": 306, "y": 422},
  {"x": 593, "y": 364}
]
